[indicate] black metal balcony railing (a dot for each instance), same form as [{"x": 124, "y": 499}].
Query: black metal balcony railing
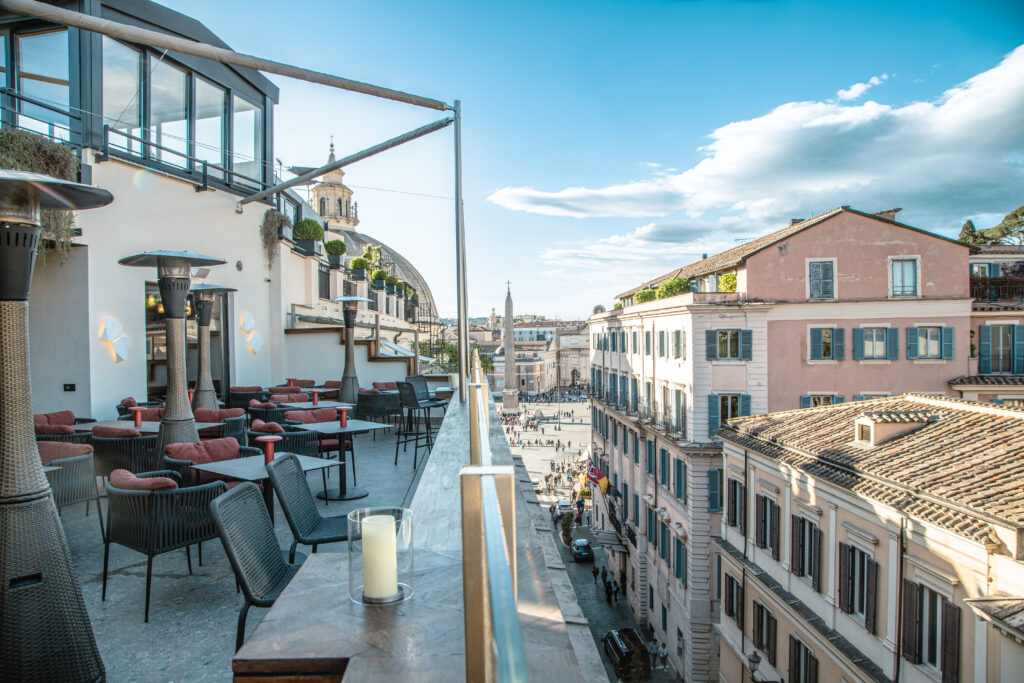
[{"x": 997, "y": 288}]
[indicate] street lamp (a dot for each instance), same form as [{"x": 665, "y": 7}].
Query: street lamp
[
  {"x": 754, "y": 661},
  {"x": 349, "y": 381},
  {"x": 46, "y": 633},
  {"x": 203, "y": 297}
]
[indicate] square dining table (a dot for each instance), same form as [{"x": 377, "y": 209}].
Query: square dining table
[
  {"x": 309, "y": 405},
  {"x": 147, "y": 426},
  {"x": 253, "y": 468},
  {"x": 353, "y": 427}
]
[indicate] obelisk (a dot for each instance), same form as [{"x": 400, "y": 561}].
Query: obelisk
[{"x": 510, "y": 395}]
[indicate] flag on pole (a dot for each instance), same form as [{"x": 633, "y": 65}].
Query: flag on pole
[{"x": 597, "y": 477}]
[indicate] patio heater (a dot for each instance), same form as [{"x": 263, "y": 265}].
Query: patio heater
[
  {"x": 45, "y": 632},
  {"x": 204, "y": 298},
  {"x": 349, "y": 381},
  {"x": 174, "y": 273}
]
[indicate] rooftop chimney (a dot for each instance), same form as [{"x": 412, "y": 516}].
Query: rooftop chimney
[
  {"x": 889, "y": 215},
  {"x": 703, "y": 256}
]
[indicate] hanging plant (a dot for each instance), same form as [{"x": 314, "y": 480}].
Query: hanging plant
[
  {"x": 21, "y": 150},
  {"x": 270, "y": 230}
]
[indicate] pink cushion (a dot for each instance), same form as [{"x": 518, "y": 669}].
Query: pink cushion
[
  {"x": 61, "y": 417},
  {"x": 301, "y": 382},
  {"x": 58, "y": 450},
  {"x": 254, "y": 403},
  {"x": 332, "y": 384},
  {"x": 324, "y": 414},
  {"x": 211, "y": 450},
  {"x": 247, "y": 390},
  {"x": 267, "y": 427},
  {"x": 151, "y": 414},
  {"x": 304, "y": 416},
  {"x": 283, "y": 390},
  {"x": 54, "y": 429},
  {"x": 368, "y": 391},
  {"x": 386, "y": 386},
  {"x": 289, "y": 398},
  {"x": 217, "y": 414},
  {"x": 130, "y": 402},
  {"x": 123, "y": 479},
  {"x": 115, "y": 432}
]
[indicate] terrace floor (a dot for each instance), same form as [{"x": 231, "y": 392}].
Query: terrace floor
[{"x": 191, "y": 631}]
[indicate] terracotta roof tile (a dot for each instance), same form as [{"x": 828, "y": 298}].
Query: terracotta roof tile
[{"x": 904, "y": 417}]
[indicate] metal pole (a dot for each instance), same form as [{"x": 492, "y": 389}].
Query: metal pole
[{"x": 460, "y": 255}]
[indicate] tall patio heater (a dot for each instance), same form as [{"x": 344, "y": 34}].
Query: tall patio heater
[
  {"x": 349, "y": 381},
  {"x": 174, "y": 276},
  {"x": 204, "y": 298},
  {"x": 45, "y": 634}
]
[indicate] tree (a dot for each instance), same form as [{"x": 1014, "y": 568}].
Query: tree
[
  {"x": 727, "y": 282},
  {"x": 1010, "y": 231},
  {"x": 968, "y": 235},
  {"x": 673, "y": 287}
]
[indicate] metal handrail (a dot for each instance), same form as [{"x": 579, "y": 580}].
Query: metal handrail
[{"x": 39, "y": 103}]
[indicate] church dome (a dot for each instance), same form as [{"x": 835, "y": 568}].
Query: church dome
[{"x": 402, "y": 269}]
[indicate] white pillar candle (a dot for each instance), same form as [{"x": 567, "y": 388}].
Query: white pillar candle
[{"x": 380, "y": 557}]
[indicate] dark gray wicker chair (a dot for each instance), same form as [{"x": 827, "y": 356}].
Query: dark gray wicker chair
[
  {"x": 122, "y": 410},
  {"x": 299, "y": 442},
  {"x": 308, "y": 526},
  {"x": 235, "y": 427},
  {"x": 157, "y": 522},
  {"x": 77, "y": 437},
  {"x": 132, "y": 453},
  {"x": 250, "y": 543},
  {"x": 267, "y": 414},
  {"x": 183, "y": 468},
  {"x": 240, "y": 399},
  {"x": 415, "y": 426},
  {"x": 419, "y": 383},
  {"x": 382, "y": 407},
  {"x": 75, "y": 481}
]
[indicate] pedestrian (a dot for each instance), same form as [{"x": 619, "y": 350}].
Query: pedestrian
[
  {"x": 592, "y": 571},
  {"x": 608, "y": 592},
  {"x": 604, "y": 573},
  {"x": 616, "y": 591},
  {"x": 663, "y": 655}
]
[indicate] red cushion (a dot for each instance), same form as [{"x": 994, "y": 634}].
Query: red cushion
[
  {"x": 58, "y": 450},
  {"x": 254, "y": 403},
  {"x": 324, "y": 414},
  {"x": 332, "y": 384},
  {"x": 54, "y": 429},
  {"x": 386, "y": 386},
  {"x": 305, "y": 416},
  {"x": 267, "y": 427},
  {"x": 123, "y": 479},
  {"x": 289, "y": 398},
  {"x": 301, "y": 382},
  {"x": 114, "y": 432},
  {"x": 368, "y": 391},
  {"x": 247, "y": 390},
  {"x": 61, "y": 417},
  {"x": 283, "y": 390},
  {"x": 211, "y": 450},
  {"x": 328, "y": 444},
  {"x": 130, "y": 402},
  {"x": 151, "y": 414},
  {"x": 217, "y": 415}
]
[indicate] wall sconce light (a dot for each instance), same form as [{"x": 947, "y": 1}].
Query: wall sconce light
[
  {"x": 255, "y": 343},
  {"x": 113, "y": 334},
  {"x": 246, "y": 324}
]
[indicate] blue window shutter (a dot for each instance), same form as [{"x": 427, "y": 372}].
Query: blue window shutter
[
  {"x": 805, "y": 401},
  {"x": 711, "y": 344},
  {"x": 838, "y": 343},
  {"x": 984, "y": 350},
  {"x": 994, "y": 270},
  {"x": 815, "y": 343},
  {"x": 911, "y": 343},
  {"x": 683, "y": 568},
  {"x": 714, "y": 490},
  {"x": 838, "y": 399},
  {"x": 858, "y": 397},
  {"x": 892, "y": 342},
  {"x": 947, "y": 342},
  {"x": 744, "y": 404},
  {"x": 858, "y": 343},
  {"x": 1018, "y": 349},
  {"x": 682, "y": 484},
  {"x": 746, "y": 344},
  {"x": 713, "y": 419}
]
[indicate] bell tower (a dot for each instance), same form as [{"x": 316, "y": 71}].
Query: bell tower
[{"x": 332, "y": 199}]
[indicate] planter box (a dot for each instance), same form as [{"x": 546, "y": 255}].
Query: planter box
[
  {"x": 334, "y": 260},
  {"x": 308, "y": 247},
  {"x": 391, "y": 289},
  {"x": 358, "y": 274},
  {"x": 378, "y": 284}
]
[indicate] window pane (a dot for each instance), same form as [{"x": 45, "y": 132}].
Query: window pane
[
  {"x": 168, "y": 115},
  {"x": 247, "y": 141},
  {"x": 43, "y": 75},
  {"x": 3, "y": 60},
  {"x": 210, "y": 102},
  {"x": 1002, "y": 352},
  {"x": 734, "y": 344},
  {"x": 122, "y": 94},
  {"x": 904, "y": 277},
  {"x": 723, "y": 344},
  {"x": 826, "y": 342}
]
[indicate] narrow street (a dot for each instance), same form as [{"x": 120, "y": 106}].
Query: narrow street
[{"x": 602, "y": 616}]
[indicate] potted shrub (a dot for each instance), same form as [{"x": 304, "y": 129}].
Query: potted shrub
[
  {"x": 335, "y": 250},
  {"x": 566, "y": 524},
  {"x": 391, "y": 281},
  {"x": 306, "y": 234},
  {"x": 400, "y": 290},
  {"x": 379, "y": 279},
  {"x": 357, "y": 268}
]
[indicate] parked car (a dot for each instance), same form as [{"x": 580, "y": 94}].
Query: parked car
[
  {"x": 623, "y": 647},
  {"x": 564, "y": 507},
  {"x": 581, "y": 550},
  {"x": 536, "y": 486}
]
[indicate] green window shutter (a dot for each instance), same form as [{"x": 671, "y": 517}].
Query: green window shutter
[
  {"x": 838, "y": 343},
  {"x": 858, "y": 343},
  {"x": 984, "y": 350},
  {"x": 816, "y": 343},
  {"x": 805, "y": 401},
  {"x": 947, "y": 342},
  {"x": 892, "y": 341},
  {"x": 911, "y": 343},
  {"x": 838, "y": 399},
  {"x": 714, "y": 490},
  {"x": 711, "y": 344},
  {"x": 1018, "y": 349},
  {"x": 744, "y": 404},
  {"x": 713, "y": 419},
  {"x": 746, "y": 344},
  {"x": 994, "y": 270}
]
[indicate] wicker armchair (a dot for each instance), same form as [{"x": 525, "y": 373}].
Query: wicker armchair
[
  {"x": 74, "y": 437},
  {"x": 183, "y": 468},
  {"x": 132, "y": 453},
  {"x": 250, "y": 543},
  {"x": 384, "y": 407},
  {"x": 267, "y": 414},
  {"x": 239, "y": 397},
  {"x": 158, "y": 521},
  {"x": 75, "y": 481},
  {"x": 122, "y": 408},
  {"x": 308, "y": 526}
]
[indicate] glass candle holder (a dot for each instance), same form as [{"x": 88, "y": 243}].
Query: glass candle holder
[{"x": 380, "y": 555}]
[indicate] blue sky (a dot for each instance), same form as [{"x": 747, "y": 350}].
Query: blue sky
[{"x": 608, "y": 142}]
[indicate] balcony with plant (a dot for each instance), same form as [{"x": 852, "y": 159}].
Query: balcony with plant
[
  {"x": 308, "y": 234},
  {"x": 335, "y": 250}
]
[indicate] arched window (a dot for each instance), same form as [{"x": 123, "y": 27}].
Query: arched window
[
  {"x": 323, "y": 206},
  {"x": 340, "y": 212},
  {"x": 348, "y": 206}
]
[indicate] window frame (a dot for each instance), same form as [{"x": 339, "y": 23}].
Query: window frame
[
  {"x": 874, "y": 331},
  {"x": 921, "y": 339},
  {"x": 904, "y": 292},
  {"x": 730, "y": 337},
  {"x": 807, "y": 270}
]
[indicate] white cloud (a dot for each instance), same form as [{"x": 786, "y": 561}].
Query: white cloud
[
  {"x": 942, "y": 160},
  {"x": 858, "y": 89}
]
